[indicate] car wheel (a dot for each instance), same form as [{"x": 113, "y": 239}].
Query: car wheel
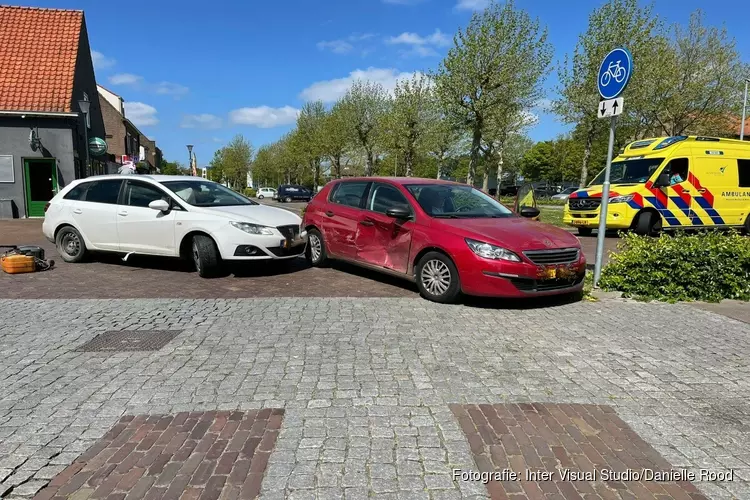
[
  {"x": 584, "y": 231},
  {"x": 70, "y": 245},
  {"x": 287, "y": 199},
  {"x": 260, "y": 196},
  {"x": 437, "y": 278},
  {"x": 316, "y": 249},
  {"x": 647, "y": 224},
  {"x": 206, "y": 257}
]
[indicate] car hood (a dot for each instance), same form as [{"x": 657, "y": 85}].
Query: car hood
[
  {"x": 257, "y": 214},
  {"x": 614, "y": 190},
  {"x": 514, "y": 233}
]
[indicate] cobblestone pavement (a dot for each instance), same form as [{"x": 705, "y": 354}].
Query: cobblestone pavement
[
  {"x": 366, "y": 384},
  {"x": 106, "y": 276}
]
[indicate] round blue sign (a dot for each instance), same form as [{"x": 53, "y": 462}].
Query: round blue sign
[{"x": 614, "y": 73}]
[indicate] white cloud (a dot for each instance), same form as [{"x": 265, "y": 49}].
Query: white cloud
[
  {"x": 472, "y": 4},
  {"x": 204, "y": 121},
  {"x": 332, "y": 90},
  {"x": 142, "y": 115},
  {"x": 336, "y": 46},
  {"x": 438, "y": 39},
  {"x": 125, "y": 79},
  {"x": 264, "y": 116},
  {"x": 140, "y": 83},
  {"x": 101, "y": 61}
]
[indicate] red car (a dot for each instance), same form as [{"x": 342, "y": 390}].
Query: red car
[{"x": 450, "y": 238}]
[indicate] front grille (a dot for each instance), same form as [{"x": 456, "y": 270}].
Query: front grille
[
  {"x": 529, "y": 285},
  {"x": 552, "y": 257},
  {"x": 287, "y": 252},
  {"x": 289, "y": 232},
  {"x": 584, "y": 203}
]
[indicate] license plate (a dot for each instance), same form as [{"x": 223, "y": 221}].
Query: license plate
[
  {"x": 579, "y": 222},
  {"x": 550, "y": 274}
]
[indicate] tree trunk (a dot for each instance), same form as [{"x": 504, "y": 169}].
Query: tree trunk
[
  {"x": 486, "y": 180},
  {"x": 316, "y": 176},
  {"x": 475, "y": 143},
  {"x": 368, "y": 165},
  {"x": 499, "y": 167},
  {"x": 337, "y": 166},
  {"x": 439, "y": 166},
  {"x": 587, "y": 156},
  {"x": 409, "y": 165}
]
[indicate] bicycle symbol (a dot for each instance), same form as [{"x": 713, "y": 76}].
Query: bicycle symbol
[{"x": 613, "y": 71}]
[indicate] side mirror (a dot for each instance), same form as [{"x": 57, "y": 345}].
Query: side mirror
[
  {"x": 529, "y": 212},
  {"x": 400, "y": 213},
  {"x": 159, "y": 205},
  {"x": 662, "y": 180}
]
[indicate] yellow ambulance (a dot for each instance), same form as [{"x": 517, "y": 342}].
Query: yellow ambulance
[{"x": 670, "y": 183}]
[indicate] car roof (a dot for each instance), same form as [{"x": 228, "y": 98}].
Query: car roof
[
  {"x": 402, "y": 180},
  {"x": 155, "y": 178}
]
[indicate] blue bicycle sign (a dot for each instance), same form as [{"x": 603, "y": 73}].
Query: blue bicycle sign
[{"x": 614, "y": 73}]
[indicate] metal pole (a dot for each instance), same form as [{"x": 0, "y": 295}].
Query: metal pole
[
  {"x": 744, "y": 110},
  {"x": 603, "y": 207},
  {"x": 86, "y": 139}
]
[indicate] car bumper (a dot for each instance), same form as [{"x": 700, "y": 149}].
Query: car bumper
[
  {"x": 48, "y": 230},
  {"x": 488, "y": 278},
  {"x": 619, "y": 216},
  {"x": 262, "y": 247}
]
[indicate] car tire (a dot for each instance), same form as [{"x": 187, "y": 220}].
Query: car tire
[
  {"x": 437, "y": 278},
  {"x": 584, "y": 231},
  {"x": 646, "y": 224},
  {"x": 287, "y": 199},
  {"x": 70, "y": 245},
  {"x": 206, "y": 256},
  {"x": 316, "y": 249},
  {"x": 260, "y": 196}
]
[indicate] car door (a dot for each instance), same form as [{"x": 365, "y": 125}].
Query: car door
[
  {"x": 681, "y": 195},
  {"x": 382, "y": 240},
  {"x": 142, "y": 229},
  {"x": 95, "y": 213},
  {"x": 341, "y": 218}
]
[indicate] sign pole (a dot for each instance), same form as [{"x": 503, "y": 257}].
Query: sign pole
[{"x": 603, "y": 207}]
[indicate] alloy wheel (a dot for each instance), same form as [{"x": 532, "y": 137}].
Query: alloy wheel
[
  {"x": 316, "y": 248},
  {"x": 436, "y": 277},
  {"x": 196, "y": 257}
]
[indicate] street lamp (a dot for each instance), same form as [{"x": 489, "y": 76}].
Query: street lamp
[
  {"x": 85, "y": 106},
  {"x": 744, "y": 110},
  {"x": 190, "y": 159}
]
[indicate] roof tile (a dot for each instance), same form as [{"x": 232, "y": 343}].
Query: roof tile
[{"x": 38, "y": 51}]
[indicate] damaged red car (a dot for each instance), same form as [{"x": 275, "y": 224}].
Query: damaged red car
[{"x": 448, "y": 238}]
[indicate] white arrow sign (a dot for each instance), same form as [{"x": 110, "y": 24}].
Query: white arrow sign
[{"x": 610, "y": 107}]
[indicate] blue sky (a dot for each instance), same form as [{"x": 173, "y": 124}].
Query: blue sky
[{"x": 197, "y": 72}]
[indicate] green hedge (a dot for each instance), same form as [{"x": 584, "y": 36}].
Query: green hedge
[
  {"x": 511, "y": 200},
  {"x": 250, "y": 192},
  {"x": 708, "y": 266}
]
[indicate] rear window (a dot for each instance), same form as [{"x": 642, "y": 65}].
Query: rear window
[
  {"x": 104, "y": 192},
  {"x": 77, "y": 193},
  {"x": 349, "y": 194}
]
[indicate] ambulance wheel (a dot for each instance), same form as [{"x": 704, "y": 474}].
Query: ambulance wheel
[
  {"x": 584, "y": 231},
  {"x": 648, "y": 224}
]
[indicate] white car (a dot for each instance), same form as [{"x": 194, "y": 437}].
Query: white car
[
  {"x": 565, "y": 193},
  {"x": 266, "y": 193},
  {"x": 174, "y": 216}
]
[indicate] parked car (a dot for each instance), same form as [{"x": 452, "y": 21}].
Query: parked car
[
  {"x": 266, "y": 193},
  {"x": 291, "y": 192},
  {"x": 564, "y": 194},
  {"x": 173, "y": 216},
  {"x": 447, "y": 237}
]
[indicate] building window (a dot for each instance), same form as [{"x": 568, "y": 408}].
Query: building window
[{"x": 6, "y": 169}]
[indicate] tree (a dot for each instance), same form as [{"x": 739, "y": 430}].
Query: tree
[
  {"x": 173, "y": 168},
  {"x": 618, "y": 23},
  {"x": 444, "y": 139},
  {"x": 407, "y": 120},
  {"x": 363, "y": 105},
  {"x": 503, "y": 124},
  {"x": 232, "y": 163},
  {"x": 309, "y": 137},
  {"x": 499, "y": 60},
  {"x": 335, "y": 140},
  {"x": 697, "y": 82}
]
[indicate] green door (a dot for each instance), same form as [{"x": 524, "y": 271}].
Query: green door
[{"x": 41, "y": 184}]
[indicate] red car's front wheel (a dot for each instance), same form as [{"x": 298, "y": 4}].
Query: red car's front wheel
[{"x": 437, "y": 278}]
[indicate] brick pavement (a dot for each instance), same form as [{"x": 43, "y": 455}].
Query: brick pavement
[
  {"x": 569, "y": 451},
  {"x": 366, "y": 384},
  {"x": 196, "y": 455}
]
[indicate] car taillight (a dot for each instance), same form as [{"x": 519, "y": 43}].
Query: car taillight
[{"x": 46, "y": 206}]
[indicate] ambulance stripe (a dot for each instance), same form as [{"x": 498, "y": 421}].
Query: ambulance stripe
[
  {"x": 669, "y": 217},
  {"x": 658, "y": 193},
  {"x": 685, "y": 207},
  {"x": 682, "y": 194},
  {"x": 637, "y": 201},
  {"x": 697, "y": 184},
  {"x": 580, "y": 195},
  {"x": 706, "y": 205}
]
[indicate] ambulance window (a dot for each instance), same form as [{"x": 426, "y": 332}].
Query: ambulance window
[
  {"x": 743, "y": 166},
  {"x": 679, "y": 166}
]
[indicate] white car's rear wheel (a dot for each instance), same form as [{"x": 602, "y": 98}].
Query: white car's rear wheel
[{"x": 70, "y": 244}]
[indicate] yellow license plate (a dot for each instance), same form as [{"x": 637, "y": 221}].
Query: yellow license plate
[
  {"x": 579, "y": 222},
  {"x": 550, "y": 274}
]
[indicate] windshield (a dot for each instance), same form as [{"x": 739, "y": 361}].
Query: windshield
[
  {"x": 629, "y": 171},
  {"x": 206, "y": 194},
  {"x": 449, "y": 201}
]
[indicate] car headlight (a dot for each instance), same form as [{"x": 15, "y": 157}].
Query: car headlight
[
  {"x": 493, "y": 252},
  {"x": 252, "y": 228},
  {"x": 621, "y": 199}
]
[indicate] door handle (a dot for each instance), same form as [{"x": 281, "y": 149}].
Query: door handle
[
  {"x": 685, "y": 190},
  {"x": 329, "y": 213},
  {"x": 77, "y": 211},
  {"x": 367, "y": 222},
  {"x": 122, "y": 213},
  {"x": 701, "y": 191}
]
